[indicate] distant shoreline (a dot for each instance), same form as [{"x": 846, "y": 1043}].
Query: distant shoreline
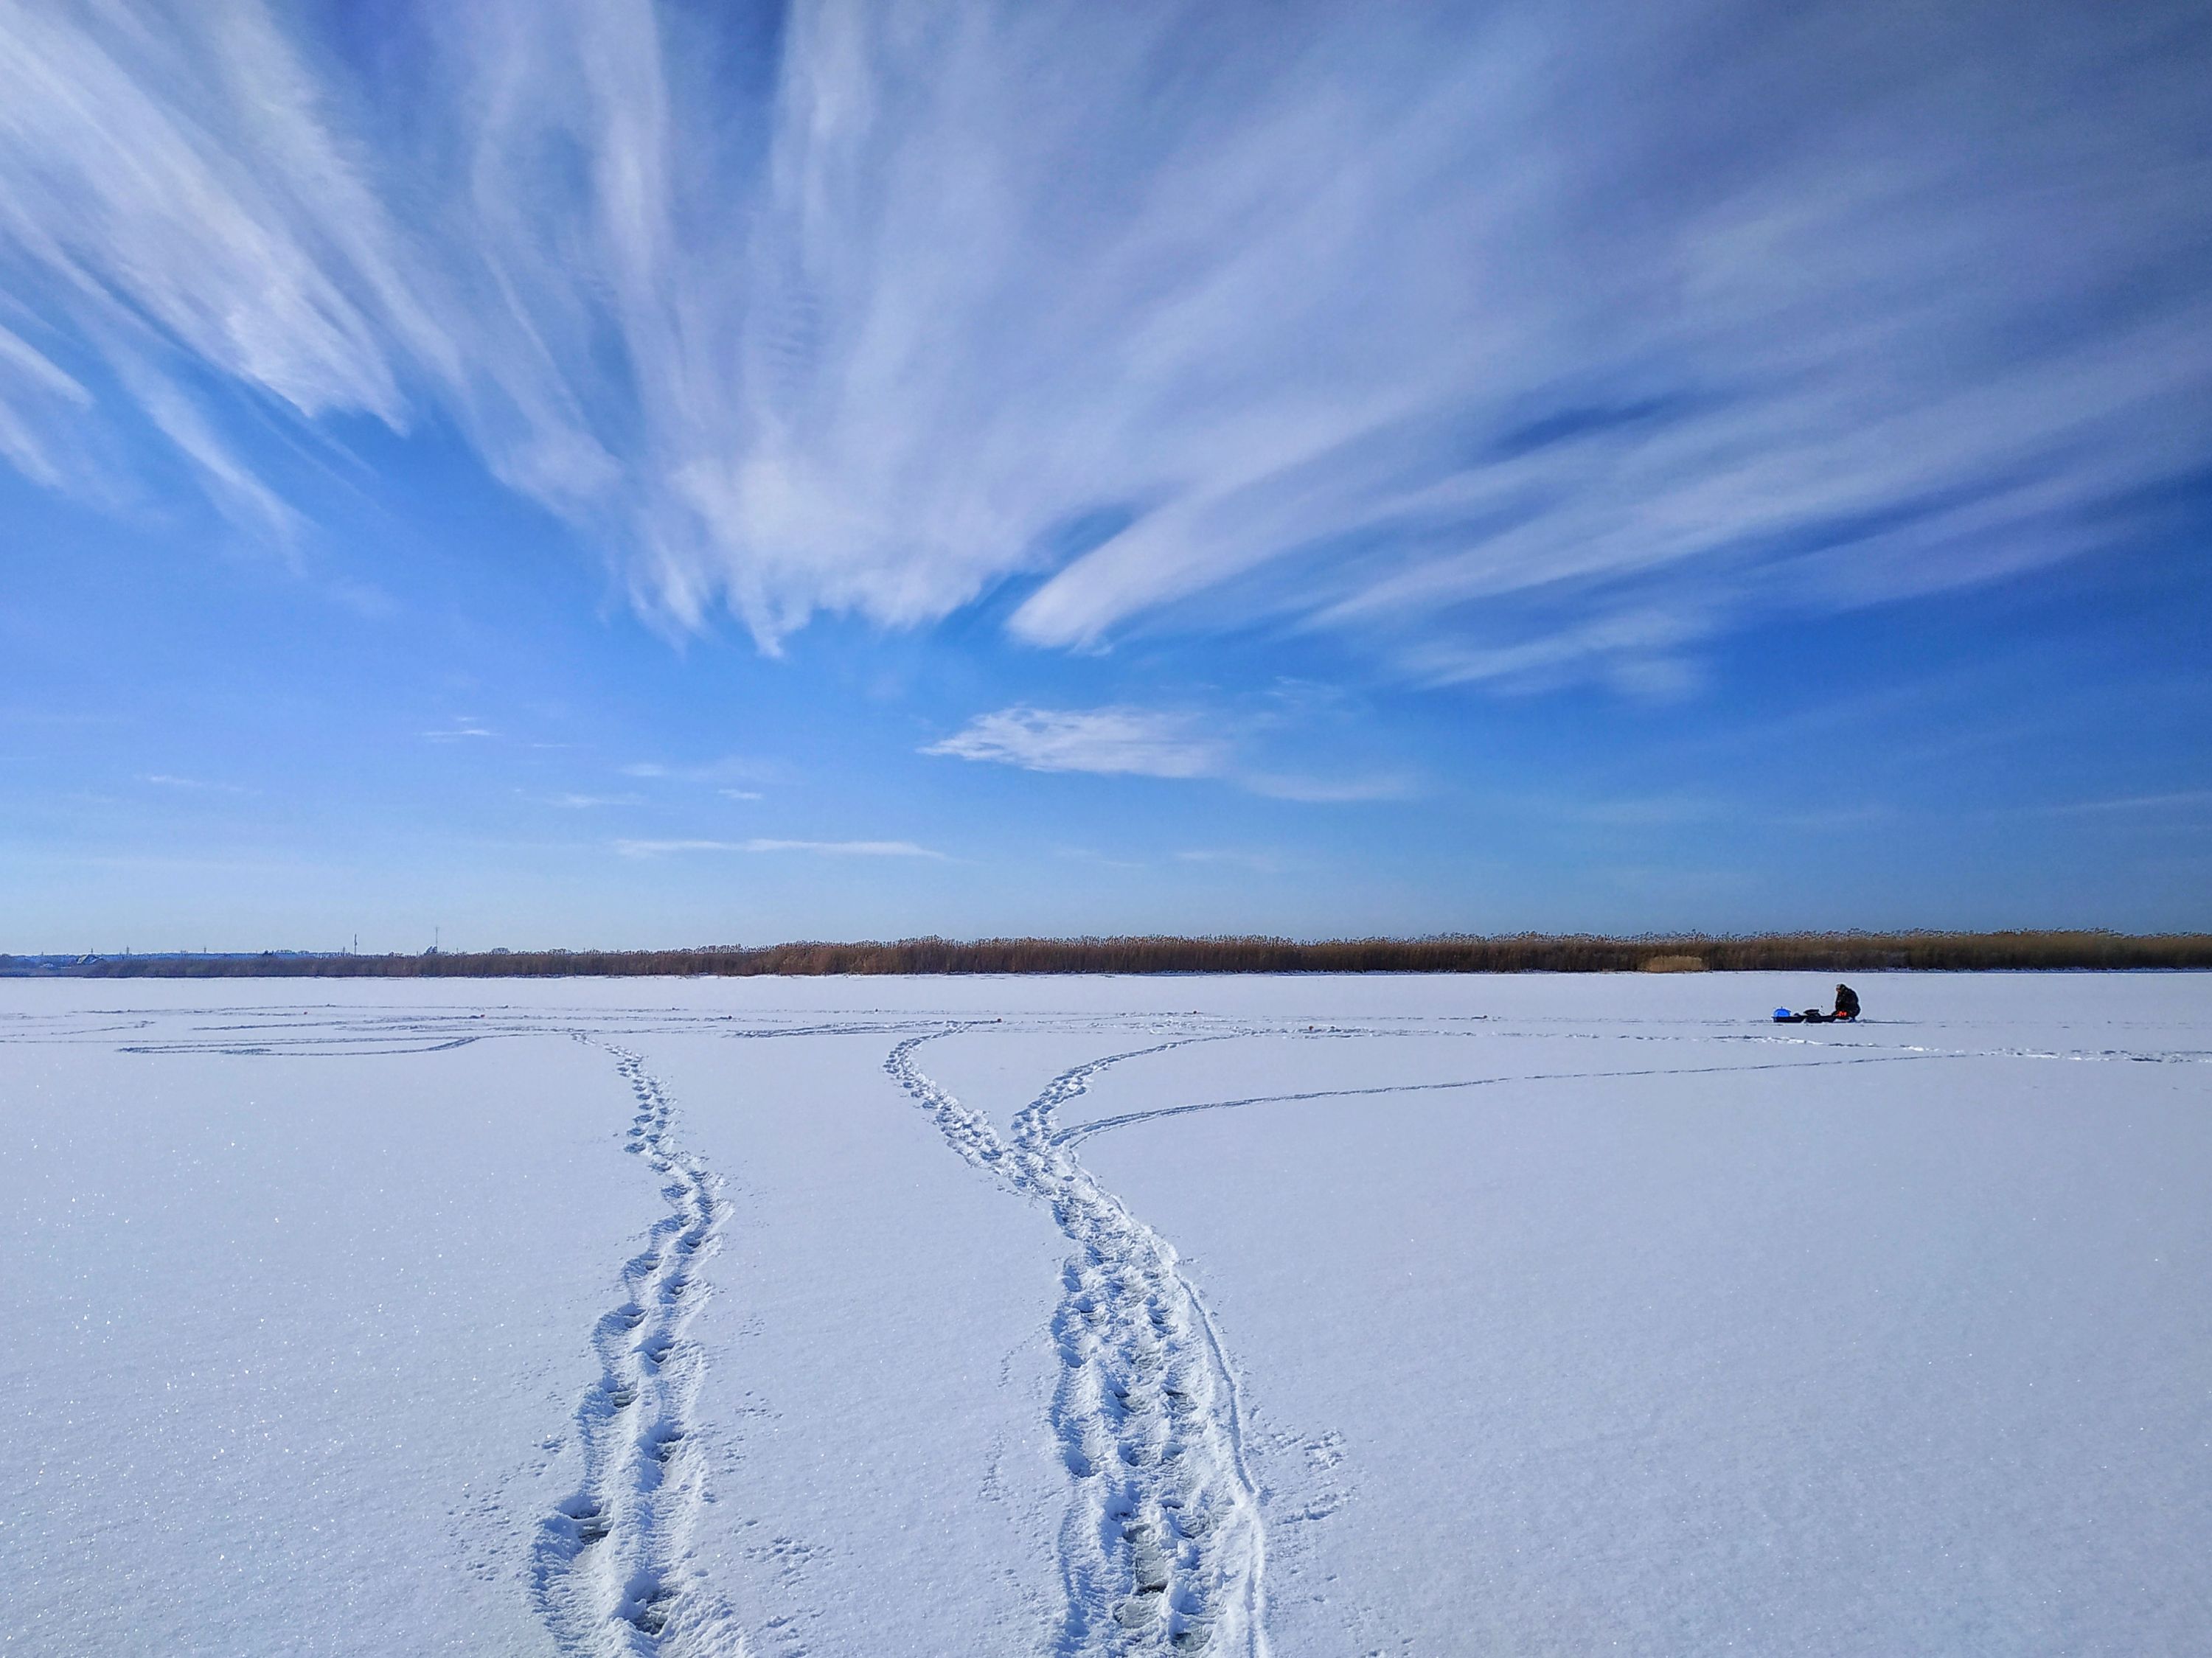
[{"x": 1824, "y": 952}]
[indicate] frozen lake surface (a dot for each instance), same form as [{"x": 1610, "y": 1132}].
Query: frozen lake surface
[{"x": 1299, "y": 1315}]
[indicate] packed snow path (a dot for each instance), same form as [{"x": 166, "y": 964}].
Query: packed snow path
[{"x": 1163, "y": 1550}]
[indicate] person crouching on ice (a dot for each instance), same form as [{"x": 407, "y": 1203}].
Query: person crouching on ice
[{"x": 1847, "y": 1003}]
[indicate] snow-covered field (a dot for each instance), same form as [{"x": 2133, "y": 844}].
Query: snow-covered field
[{"x": 1295, "y": 1315}]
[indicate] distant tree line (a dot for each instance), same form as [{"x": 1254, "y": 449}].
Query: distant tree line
[{"x": 1823, "y": 952}]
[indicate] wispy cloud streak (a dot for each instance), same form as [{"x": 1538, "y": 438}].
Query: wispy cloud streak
[
  {"x": 1520, "y": 343},
  {"x": 2184, "y": 800},
  {"x": 822, "y": 849},
  {"x": 1125, "y": 741},
  {"x": 1137, "y": 742},
  {"x": 164, "y": 779}
]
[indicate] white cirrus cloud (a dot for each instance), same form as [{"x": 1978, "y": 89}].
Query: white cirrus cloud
[
  {"x": 1460, "y": 332},
  {"x": 1330, "y": 791},
  {"x": 824, "y": 848},
  {"x": 1118, "y": 740},
  {"x": 2185, "y": 800},
  {"x": 1121, "y": 740}
]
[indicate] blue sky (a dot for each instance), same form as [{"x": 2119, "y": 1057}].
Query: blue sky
[{"x": 609, "y": 474}]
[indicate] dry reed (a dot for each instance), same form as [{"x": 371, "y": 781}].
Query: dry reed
[{"x": 1824, "y": 952}]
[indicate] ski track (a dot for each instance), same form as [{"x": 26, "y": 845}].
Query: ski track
[
  {"x": 607, "y": 1568},
  {"x": 1163, "y": 1549},
  {"x": 1077, "y": 1132}
]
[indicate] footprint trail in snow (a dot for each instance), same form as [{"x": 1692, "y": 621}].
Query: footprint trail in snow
[
  {"x": 609, "y": 1568},
  {"x": 1163, "y": 1550}
]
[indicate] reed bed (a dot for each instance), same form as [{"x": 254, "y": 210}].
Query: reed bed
[{"x": 1527, "y": 953}]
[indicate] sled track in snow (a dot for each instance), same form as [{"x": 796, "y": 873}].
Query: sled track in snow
[
  {"x": 607, "y": 1567},
  {"x": 1163, "y": 1550}
]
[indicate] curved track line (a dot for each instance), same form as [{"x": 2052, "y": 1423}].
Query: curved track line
[{"x": 1077, "y": 1132}]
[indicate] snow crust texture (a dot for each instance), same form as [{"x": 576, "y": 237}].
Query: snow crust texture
[{"x": 1106, "y": 1318}]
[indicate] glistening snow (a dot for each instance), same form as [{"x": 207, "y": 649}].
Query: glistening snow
[{"x": 1301, "y": 1315}]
